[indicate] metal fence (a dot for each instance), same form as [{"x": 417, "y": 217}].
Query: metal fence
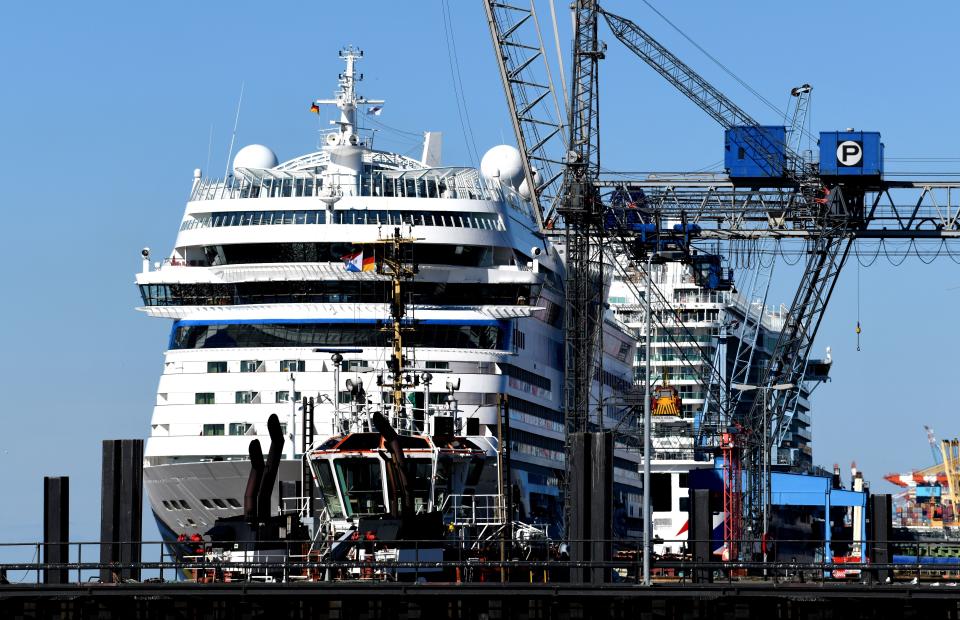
[{"x": 487, "y": 561}]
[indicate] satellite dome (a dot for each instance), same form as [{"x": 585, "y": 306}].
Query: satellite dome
[
  {"x": 503, "y": 162},
  {"x": 523, "y": 190},
  {"x": 254, "y": 156}
]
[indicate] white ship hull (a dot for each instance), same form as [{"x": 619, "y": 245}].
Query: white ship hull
[{"x": 211, "y": 491}]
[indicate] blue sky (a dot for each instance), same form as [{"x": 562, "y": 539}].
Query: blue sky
[{"x": 107, "y": 108}]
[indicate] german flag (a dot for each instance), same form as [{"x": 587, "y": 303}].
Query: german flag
[{"x": 315, "y": 108}]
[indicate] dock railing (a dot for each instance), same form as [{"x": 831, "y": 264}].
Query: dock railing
[{"x": 452, "y": 561}]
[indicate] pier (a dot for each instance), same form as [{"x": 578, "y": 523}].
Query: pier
[
  {"x": 205, "y": 586},
  {"x": 477, "y": 600}
]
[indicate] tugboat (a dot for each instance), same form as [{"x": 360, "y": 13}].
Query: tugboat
[
  {"x": 394, "y": 473},
  {"x": 393, "y": 483}
]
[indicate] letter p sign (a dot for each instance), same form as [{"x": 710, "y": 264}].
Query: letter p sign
[{"x": 849, "y": 153}]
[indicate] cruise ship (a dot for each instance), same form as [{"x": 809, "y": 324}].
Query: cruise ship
[
  {"x": 273, "y": 296},
  {"x": 696, "y": 327}
]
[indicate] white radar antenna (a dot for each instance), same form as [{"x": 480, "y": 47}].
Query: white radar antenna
[{"x": 347, "y": 100}]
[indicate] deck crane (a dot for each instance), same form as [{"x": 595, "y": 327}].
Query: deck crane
[{"x": 824, "y": 208}]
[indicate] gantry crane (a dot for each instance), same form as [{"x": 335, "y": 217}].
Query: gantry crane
[{"x": 825, "y": 208}]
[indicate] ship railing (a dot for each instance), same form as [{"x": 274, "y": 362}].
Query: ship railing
[
  {"x": 450, "y": 182},
  {"x": 356, "y": 418},
  {"x": 174, "y": 261},
  {"x": 298, "y": 505},
  {"x": 323, "y": 535},
  {"x": 469, "y": 510}
]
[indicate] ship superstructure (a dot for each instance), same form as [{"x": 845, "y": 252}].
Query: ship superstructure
[{"x": 273, "y": 293}]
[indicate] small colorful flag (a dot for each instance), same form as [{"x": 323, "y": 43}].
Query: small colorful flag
[
  {"x": 315, "y": 108},
  {"x": 354, "y": 261},
  {"x": 375, "y": 110}
]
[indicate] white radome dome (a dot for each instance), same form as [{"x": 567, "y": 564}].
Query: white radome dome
[
  {"x": 523, "y": 190},
  {"x": 254, "y": 156},
  {"x": 503, "y": 162}
]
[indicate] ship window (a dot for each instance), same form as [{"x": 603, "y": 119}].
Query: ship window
[
  {"x": 362, "y": 485},
  {"x": 233, "y": 503},
  {"x": 420, "y": 471},
  {"x": 330, "y": 497},
  {"x": 318, "y": 291},
  {"x": 519, "y": 339},
  {"x": 283, "y": 396},
  {"x": 250, "y": 365},
  {"x": 245, "y": 397},
  {"x": 220, "y": 503},
  {"x": 219, "y": 336},
  {"x": 166, "y": 505},
  {"x": 660, "y": 493},
  {"x": 437, "y": 365},
  {"x": 203, "y": 398},
  {"x": 255, "y": 218},
  {"x": 293, "y": 366},
  {"x": 216, "y": 367},
  {"x": 213, "y": 429},
  {"x": 206, "y": 503},
  {"x": 240, "y": 428},
  {"x": 184, "y": 504}
]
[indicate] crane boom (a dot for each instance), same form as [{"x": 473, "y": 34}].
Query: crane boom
[
  {"x": 678, "y": 73},
  {"x": 704, "y": 94},
  {"x": 534, "y": 108}
]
